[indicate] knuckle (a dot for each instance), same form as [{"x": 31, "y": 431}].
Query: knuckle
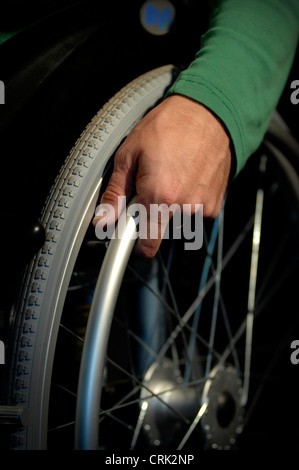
[
  {"x": 208, "y": 206},
  {"x": 211, "y": 209},
  {"x": 124, "y": 159},
  {"x": 111, "y": 194},
  {"x": 170, "y": 194},
  {"x": 120, "y": 161}
]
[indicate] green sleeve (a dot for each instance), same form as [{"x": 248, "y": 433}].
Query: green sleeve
[{"x": 242, "y": 67}]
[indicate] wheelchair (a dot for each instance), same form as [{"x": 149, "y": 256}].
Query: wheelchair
[{"x": 188, "y": 351}]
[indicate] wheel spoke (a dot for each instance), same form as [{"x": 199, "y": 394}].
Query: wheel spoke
[
  {"x": 178, "y": 316},
  {"x": 202, "y": 294},
  {"x": 203, "y": 280},
  {"x": 144, "y": 386},
  {"x": 217, "y": 274},
  {"x": 193, "y": 425}
]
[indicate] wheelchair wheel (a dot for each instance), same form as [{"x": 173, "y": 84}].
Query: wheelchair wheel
[
  {"x": 190, "y": 350},
  {"x": 66, "y": 217}
]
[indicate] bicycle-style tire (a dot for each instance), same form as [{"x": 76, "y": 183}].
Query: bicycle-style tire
[{"x": 66, "y": 217}]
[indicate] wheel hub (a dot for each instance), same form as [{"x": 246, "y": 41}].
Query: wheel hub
[
  {"x": 223, "y": 419},
  {"x": 161, "y": 421}
]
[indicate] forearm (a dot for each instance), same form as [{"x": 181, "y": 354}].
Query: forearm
[{"x": 242, "y": 67}]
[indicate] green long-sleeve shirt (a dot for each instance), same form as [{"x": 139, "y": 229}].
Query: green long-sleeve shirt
[{"x": 242, "y": 67}]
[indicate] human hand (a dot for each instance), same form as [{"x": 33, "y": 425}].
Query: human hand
[{"x": 179, "y": 153}]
